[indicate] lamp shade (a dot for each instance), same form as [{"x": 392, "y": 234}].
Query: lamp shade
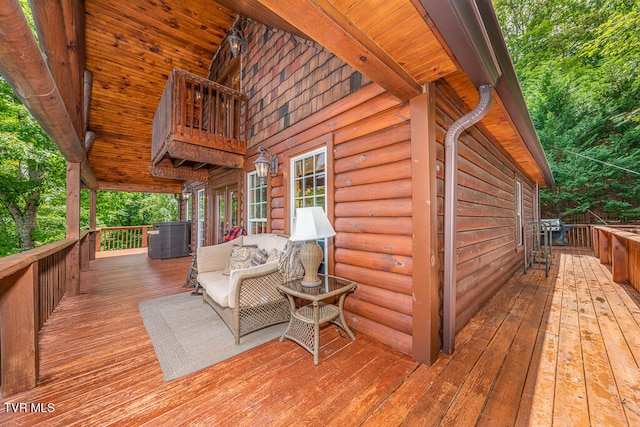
[{"x": 311, "y": 224}]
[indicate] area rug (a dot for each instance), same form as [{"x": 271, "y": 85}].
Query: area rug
[{"x": 188, "y": 335}]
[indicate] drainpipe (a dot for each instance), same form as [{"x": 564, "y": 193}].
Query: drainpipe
[{"x": 450, "y": 215}]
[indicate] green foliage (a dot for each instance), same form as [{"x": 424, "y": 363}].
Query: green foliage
[
  {"x": 30, "y": 167},
  {"x": 114, "y": 209},
  {"x": 33, "y": 181},
  {"x": 578, "y": 64}
]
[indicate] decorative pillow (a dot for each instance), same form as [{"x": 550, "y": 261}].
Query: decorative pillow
[
  {"x": 240, "y": 257},
  {"x": 273, "y": 255},
  {"x": 290, "y": 265},
  {"x": 260, "y": 257}
]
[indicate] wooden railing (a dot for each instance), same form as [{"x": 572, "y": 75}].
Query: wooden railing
[
  {"x": 579, "y": 235},
  {"x": 198, "y": 112},
  {"x": 31, "y": 286},
  {"x": 117, "y": 238},
  {"x": 620, "y": 248}
]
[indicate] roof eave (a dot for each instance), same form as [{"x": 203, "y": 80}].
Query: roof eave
[{"x": 472, "y": 32}]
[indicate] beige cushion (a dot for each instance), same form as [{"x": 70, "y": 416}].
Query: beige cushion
[
  {"x": 215, "y": 257},
  {"x": 240, "y": 257},
  {"x": 266, "y": 241},
  {"x": 216, "y": 285}
]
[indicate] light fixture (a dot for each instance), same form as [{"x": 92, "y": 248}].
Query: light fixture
[
  {"x": 264, "y": 166},
  {"x": 311, "y": 224},
  {"x": 186, "y": 194},
  {"x": 237, "y": 42}
]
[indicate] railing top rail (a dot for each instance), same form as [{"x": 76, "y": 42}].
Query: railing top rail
[
  {"x": 125, "y": 227},
  {"x": 205, "y": 82},
  {"x": 13, "y": 263},
  {"x": 620, "y": 233}
]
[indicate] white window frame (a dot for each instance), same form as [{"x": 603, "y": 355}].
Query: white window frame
[
  {"x": 321, "y": 150},
  {"x": 293, "y": 198},
  {"x": 256, "y": 203},
  {"x": 519, "y": 213}
]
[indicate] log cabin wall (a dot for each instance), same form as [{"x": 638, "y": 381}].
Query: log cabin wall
[
  {"x": 302, "y": 98},
  {"x": 367, "y": 140},
  {"x": 488, "y": 253}
]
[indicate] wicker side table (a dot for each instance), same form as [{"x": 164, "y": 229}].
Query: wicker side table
[{"x": 304, "y": 324}]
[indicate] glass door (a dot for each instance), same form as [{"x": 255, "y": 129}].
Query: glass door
[{"x": 227, "y": 214}]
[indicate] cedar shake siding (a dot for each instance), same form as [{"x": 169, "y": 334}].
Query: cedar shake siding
[{"x": 288, "y": 79}]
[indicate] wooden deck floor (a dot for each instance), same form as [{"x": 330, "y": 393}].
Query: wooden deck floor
[{"x": 563, "y": 350}]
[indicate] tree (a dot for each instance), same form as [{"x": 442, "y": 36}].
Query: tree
[
  {"x": 29, "y": 163},
  {"x": 578, "y": 65}
]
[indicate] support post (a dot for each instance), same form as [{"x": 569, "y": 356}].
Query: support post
[
  {"x": 73, "y": 228},
  {"x": 603, "y": 245},
  {"x": 19, "y": 330},
  {"x": 426, "y": 282},
  {"x": 619, "y": 259}
]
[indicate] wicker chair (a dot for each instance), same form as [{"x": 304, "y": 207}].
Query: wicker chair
[{"x": 247, "y": 299}]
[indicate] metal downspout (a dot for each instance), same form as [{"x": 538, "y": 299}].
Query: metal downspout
[{"x": 450, "y": 215}]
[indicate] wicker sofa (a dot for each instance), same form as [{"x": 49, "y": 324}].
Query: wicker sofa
[{"x": 247, "y": 299}]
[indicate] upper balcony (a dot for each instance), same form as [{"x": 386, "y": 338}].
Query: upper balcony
[{"x": 198, "y": 123}]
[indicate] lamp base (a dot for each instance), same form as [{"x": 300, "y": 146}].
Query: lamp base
[{"x": 311, "y": 257}]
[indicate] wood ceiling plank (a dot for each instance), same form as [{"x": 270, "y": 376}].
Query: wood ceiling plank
[
  {"x": 132, "y": 47},
  {"x": 375, "y": 18}
]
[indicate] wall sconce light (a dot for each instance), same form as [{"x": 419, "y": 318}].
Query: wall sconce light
[
  {"x": 264, "y": 166},
  {"x": 237, "y": 42},
  {"x": 186, "y": 194}
]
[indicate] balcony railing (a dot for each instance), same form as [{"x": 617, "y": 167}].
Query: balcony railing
[
  {"x": 117, "y": 238},
  {"x": 619, "y": 247},
  {"x": 199, "y": 120},
  {"x": 31, "y": 286}
]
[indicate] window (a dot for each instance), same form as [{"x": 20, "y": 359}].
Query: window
[
  {"x": 519, "y": 213},
  {"x": 309, "y": 176},
  {"x": 256, "y": 204},
  {"x": 308, "y": 187}
]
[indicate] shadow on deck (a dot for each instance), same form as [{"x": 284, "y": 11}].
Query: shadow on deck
[{"x": 562, "y": 350}]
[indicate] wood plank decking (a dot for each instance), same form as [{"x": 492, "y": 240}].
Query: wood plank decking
[{"x": 562, "y": 350}]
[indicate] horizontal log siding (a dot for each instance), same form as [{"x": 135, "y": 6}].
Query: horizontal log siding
[
  {"x": 369, "y": 154},
  {"x": 372, "y": 167},
  {"x": 487, "y": 253}
]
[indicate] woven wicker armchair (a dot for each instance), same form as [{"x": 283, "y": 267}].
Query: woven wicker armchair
[{"x": 248, "y": 298}]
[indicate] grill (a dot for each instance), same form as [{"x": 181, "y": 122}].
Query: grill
[
  {"x": 554, "y": 223},
  {"x": 558, "y": 236}
]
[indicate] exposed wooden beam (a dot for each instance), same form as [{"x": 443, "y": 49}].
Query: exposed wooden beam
[
  {"x": 89, "y": 139},
  {"x": 88, "y": 84},
  {"x": 178, "y": 162},
  {"x": 25, "y": 70},
  {"x": 196, "y": 153},
  {"x": 53, "y": 32},
  {"x": 183, "y": 173},
  {"x": 173, "y": 188},
  {"x": 197, "y": 166},
  {"x": 325, "y": 24}
]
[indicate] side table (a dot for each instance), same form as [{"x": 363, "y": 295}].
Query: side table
[{"x": 304, "y": 324}]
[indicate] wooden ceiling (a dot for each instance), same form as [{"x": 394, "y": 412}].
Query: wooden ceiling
[{"x": 132, "y": 46}]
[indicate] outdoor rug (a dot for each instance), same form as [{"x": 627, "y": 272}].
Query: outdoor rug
[{"x": 188, "y": 335}]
